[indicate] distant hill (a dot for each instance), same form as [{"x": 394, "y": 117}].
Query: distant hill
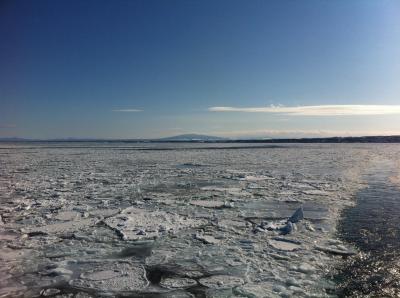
[
  {"x": 365, "y": 139},
  {"x": 12, "y": 139},
  {"x": 191, "y": 138},
  {"x": 213, "y": 139}
]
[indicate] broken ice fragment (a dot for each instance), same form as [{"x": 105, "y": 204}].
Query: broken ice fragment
[
  {"x": 335, "y": 251},
  {"x": 290, "y": 227},
  {"x": 49, "y": 292},
  {"x": 221, "y": 281},
  {"x": 206, "y": 239},
  {"x": 59, "y": 271},
  {"x": 177, "y": 282},
  {"x": 306, "y": 268},
  {"x": 297, "y": 215},
  {"x": 259, "y": 229}
]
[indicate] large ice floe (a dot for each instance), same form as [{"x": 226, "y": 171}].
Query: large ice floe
[
  {"x": 120, "y": 220},
  {"x": 111, "y": 277},
  {"x": 136, "y": 224}
]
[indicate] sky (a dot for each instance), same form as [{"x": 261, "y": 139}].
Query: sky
[{"x": 234, "y": 68}]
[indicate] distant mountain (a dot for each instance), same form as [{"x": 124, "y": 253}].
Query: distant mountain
[
  {"x": 191, "y": 138},
  {"x": 213, "y": 139},
  {"x": 365, "y": 139},
  {"x": 12, "y": 139}
]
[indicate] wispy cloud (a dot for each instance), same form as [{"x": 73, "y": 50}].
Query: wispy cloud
[
  {"x": 128, "y": 110},
  {"x": 320, "y": 110}
]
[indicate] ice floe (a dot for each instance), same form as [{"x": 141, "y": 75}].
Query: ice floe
[{"x": 136, "y": 224}]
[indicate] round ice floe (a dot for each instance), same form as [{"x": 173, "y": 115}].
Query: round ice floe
[
  {"x": 284, "y": 245},
  {"x": 104, "y": 212},
  {"x": 256, "y": 178},
  {"x": 67, "y": 215},
  {"x": 259, "y": 289},
  {"x": 177, "y": 282},
  {"x": 208, "y": 204},
  {"x": 63, "y": 227},
  {"x": 101, "y": 275},
  {"x": 221, "y": 281},
  {"x": 207, "y": 239},
  {"x": 136, "y": 224},
  {"x": 111, "y": 277},
  {"x": 231, "y": 224}
]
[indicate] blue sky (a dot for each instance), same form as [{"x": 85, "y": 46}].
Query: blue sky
[{"x": 132, "y": 69}]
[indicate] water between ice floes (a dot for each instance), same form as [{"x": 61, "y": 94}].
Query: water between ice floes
[{"x": 373, "y": 226}]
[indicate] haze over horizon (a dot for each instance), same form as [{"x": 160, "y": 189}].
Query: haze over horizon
[{"x": 148, "y": 69}]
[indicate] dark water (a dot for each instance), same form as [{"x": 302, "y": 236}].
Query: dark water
[{"x": 373, "y": 226}]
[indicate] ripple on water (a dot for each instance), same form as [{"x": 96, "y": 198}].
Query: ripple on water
[{"x": 373, "y": 226}]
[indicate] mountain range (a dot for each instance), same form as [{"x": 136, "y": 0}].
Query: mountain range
[{"x": 213, "y": 139}]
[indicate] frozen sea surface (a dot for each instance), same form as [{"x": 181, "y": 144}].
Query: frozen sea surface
[{"x": 179, "y": 220}]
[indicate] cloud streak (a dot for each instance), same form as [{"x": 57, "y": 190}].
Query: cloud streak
[
  {"x": 128, "y": 110},
  {"x": 320, "y": 110}
]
